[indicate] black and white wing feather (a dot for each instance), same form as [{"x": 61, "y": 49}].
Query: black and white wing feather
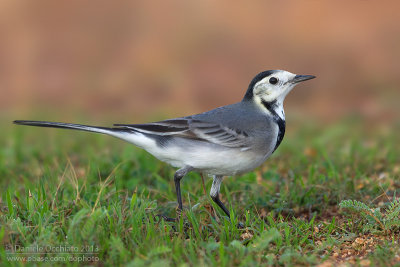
[{"x": 194, "y": 129}]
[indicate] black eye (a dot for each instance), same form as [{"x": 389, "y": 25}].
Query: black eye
[{"x": 273, "y": 80}]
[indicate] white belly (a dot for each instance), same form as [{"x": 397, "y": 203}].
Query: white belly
[{"x": 210, "y": 159}]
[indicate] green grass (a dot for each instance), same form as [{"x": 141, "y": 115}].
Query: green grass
[{"x": 100, "y": 195}]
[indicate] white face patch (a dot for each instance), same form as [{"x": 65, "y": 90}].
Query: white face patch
[{"x": 275, "y": 87}]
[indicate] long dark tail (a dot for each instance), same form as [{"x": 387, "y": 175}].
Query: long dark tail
[{"x": 104, "y": 130}]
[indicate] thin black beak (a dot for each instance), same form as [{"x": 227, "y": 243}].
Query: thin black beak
[{"x": 302, "y": 78}]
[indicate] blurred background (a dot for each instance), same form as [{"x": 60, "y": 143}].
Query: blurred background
[{"x": 127, "y": 61}]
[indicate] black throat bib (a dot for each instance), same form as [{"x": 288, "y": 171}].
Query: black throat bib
[{"x": 281, "y": 122}]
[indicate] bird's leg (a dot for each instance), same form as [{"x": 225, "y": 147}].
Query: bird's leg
[
  {"x": 211, "y": 209},
  {"x": 214, "y": 193},
  {"x": 179, "y": 174}
]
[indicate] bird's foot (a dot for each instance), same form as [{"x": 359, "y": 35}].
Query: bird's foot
[
  {"x": 240, "y": 225},
  {"x": 166, "y": 218},
  {"x": 169, "y": 219}
]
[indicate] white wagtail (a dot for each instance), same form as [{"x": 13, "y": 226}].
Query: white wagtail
[{"x": 228, "y": 140}]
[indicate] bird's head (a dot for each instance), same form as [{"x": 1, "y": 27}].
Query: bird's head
[{"x": 273, "y": 85}]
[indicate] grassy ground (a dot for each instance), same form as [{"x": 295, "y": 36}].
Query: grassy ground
[{"x": 84, "y": 197}]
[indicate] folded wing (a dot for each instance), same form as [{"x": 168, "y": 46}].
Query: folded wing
[{"x": 194, "y": 129}]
